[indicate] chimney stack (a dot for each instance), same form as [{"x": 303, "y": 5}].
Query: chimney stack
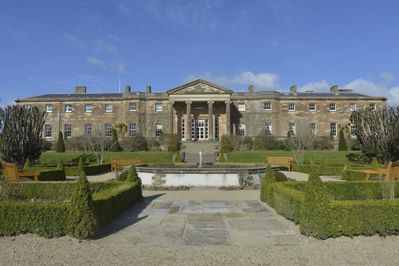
[
  {"x": 334, "y": 89},
  {"x": 148, "y": 88},
  {"x": 128, "y": 89},
  {"x": 251, "y": 88},
  {"x": 293, "y": 89},
  {"x": 80, "y": 89}
]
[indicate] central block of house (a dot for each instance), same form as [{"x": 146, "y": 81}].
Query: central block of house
[{"x": 199, "y": 111}]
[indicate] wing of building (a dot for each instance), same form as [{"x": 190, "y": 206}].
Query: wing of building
[{"x": 212, "y": 110}]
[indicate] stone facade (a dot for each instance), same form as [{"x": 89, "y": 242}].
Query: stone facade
[{"x": 214, "y": 111}]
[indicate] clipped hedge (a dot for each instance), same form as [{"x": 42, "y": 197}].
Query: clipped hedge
[
  {"x": 49, "y": 219},
  {"x": 348, "y": 208},
  {"x": 95, "y": 169},
  {"x": 52, "y": 175}
]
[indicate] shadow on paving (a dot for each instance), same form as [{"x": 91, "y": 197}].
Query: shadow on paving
[{"x": 127, "y": 218}]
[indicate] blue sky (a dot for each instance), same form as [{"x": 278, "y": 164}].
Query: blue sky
[{"x": 50, "y": 46}]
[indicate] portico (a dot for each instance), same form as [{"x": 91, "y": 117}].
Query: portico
[{"x": 199, "y": 111}]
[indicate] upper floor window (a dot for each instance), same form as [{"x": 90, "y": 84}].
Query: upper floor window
[
  {"x": 241, "y": 107},
  {"x": 158, "y": 107},
  {"x": 108, "y": 130},
  {"x": 132, "y": 129},
  {"x": 352, "y": 107},
  {"x": 67, "y": 130},
  {"x": 158, "y": 129},
  {"x": 267, "y": 106},
  {"x": 88, "y": 108},
  {"x": 132, "y": 107},
  {"x": 68, "y": 108},
  {"x": 49, "y": 108},
  {"x": 87, "y": 131},
  {"x": 333, "y": 129},
  {"x": 333, "y": 107},
  {"x": 312, "y": 127},
  {"x": 242, "y": 130},
  {"x": 291, "y": 107},
  {"x": 108, "y": 108},
  {"x": 268, "y": 129},
  {"x": 312, "y": 107},
  {"x": 373, "y": 106},
  {"x": 47, "y": 131}
]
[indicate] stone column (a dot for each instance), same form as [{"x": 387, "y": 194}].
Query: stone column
[
  {"x": 210, "y": 120},
  {"x": 188, "y": 121},
  {"x": 170, "y": 117},
  {"x": 228, "y": 124}
]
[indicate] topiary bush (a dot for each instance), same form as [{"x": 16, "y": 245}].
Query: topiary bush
[
  {"x": 342, "y": 145},
  {"x": 60, "y": 147},
  {"x": 82, "y": 222},
  {"x": 60, "y": 165},
  {"x": 27, "y": 164}
]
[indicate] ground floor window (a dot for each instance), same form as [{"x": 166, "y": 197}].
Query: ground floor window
[
  {"x": 87, "y": 129},
  {"x": 216, "y": 127},
  {"x": 108, "y": 130},
  {"x": 158, "y": 130},
  {"x": 268, "y": 129},
  {"x": 333, "y": 129},
  {"x": 67, "y": 130},
  {"x": 312, "y": 127},
  {"x": 132, "y": 129},
  {"x": 47, "y": 130},
  {"x": 183, "y": 129},
  {"x": 242, "y": 130},
  {"x": 292, "y": 128}
]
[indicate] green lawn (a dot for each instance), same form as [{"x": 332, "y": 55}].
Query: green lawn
[
  {"x": 329, "y": 157},
  {"x": 67, "y": 157}
]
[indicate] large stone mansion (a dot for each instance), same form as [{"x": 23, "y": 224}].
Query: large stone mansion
[{"x": 199, "y": 110}]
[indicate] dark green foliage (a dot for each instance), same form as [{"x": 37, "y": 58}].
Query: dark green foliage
[
  {"x": 222, "y": 159},
  {"x": 45, "y": 145},
  {"x": 342, "y": 146},
  {"x": 359, "y": 158},
  {"x": 123, "y": 175},
  {"x": 266, "y": 185},
  {"x": 45, "y": 219},
  {"x": 80, "y": 166},
  {"x": 135, "y": 143},
  {"x": 115, "y": 147},
  {"x": 226, "y": 144},
  {"x": 133, "y": 177},
  {"x": 27, "y": 164},
  {"x": 21, "y": 129},
  {"x": 323, "y": 143},
  {"x": 324, "y": 170},
  {"x": 95, "y": 169},
  {"x": 52, "y": 175},
  {"x": 82, "y": 223},
  {"x": 248, "y": 143},
  {"x": 314, "y": 175},
  {"x": 280, "y": 177},
  {"x": 171, "y": 142},
  {"x": 60, "y": 147},
  {"x": 269, "y": 175}
]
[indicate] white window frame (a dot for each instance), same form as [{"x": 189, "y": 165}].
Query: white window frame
[
  {"x": 242, "y": 130},
  {"x": 291, "y": 109},
  {"x": 333, "y": 130},
  {"x": 108, "y": 108},
  {"x": 352, "y": 107},
  {"x": 49, "y": 108},
  {"x": 267, "y": 106},
  {"x": 313, "y": 129},
  {"x": 270, "y": 126},
  {"x": 66, "y": 131},
  {"x": 241, "y": 107},
  {"x": 132, "y": 129},
  {"x": 87, "y": 129},
  {"x": 158, "y": 107},
  {"x": 314, "y": 109},
  {"x": 373, "y": 106},
  {"x": 132, "y": 107},
  {"x": 68, "y": 108},
  {"x": 333, "y": 105},
  {"x": 292, "y": 127},
  {"x": 108, "y": 130},
  {"x": 88, "y": 108},
  {"x": 158, "y": 129},
  {"x": 48, "y": 131}
]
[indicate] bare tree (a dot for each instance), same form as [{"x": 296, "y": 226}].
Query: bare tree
[
  {"x": 99, "y": 144},
  {"x": 300, "y": 139},
  {"x": 378, "y": 132}
]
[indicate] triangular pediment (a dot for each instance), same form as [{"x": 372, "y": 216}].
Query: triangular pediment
[{"x": 200, "y": 86}]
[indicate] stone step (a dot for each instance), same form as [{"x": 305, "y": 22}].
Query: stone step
[{"x": 194, "y": 158}]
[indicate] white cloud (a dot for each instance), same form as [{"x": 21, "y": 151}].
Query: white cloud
[
  {"x": 316, "y": 86},
  {"x": 261, "y": 81},
  {"x": 375, "y": 89},
  {"x": 387, "y": 77},
  {"x": 101, "y": 45},
  {"x": 95, "y": 61}
]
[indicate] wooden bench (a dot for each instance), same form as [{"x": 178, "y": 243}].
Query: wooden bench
[
  {"x": 11, "y": 173},
  {"x": 287, "y": 162},
  {"x": 389, "y": 173},
  {"x": 121, "y": 162}
]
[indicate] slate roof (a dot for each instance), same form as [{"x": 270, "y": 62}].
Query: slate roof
[{"x": 77, "y": 95}]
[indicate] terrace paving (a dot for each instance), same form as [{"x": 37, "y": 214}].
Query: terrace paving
[{"x": 219, "y": 218}]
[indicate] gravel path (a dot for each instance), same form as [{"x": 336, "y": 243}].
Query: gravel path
[{"x": 32, "y": 250}]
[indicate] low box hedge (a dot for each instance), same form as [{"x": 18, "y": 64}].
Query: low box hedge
[
  {"x": 52, "y": 175},
  {"x": 36, "y": 214},
  {"x": 95, "y": 169},
  {"x": 353, "y": 208}
]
